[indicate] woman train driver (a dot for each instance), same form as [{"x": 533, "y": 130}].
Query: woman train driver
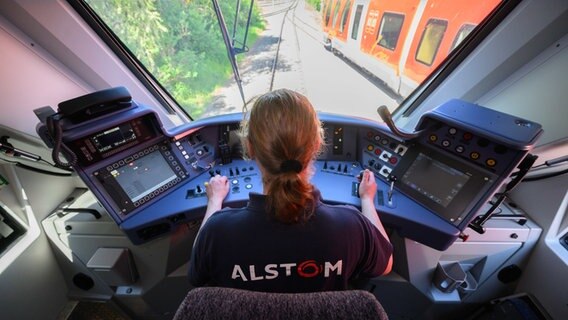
[{"x": 286, "y": 239}]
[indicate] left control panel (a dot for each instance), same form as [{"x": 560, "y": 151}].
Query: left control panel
[
  {"x": 126, "y": 160},
  {"x": 140, "y": 177}
]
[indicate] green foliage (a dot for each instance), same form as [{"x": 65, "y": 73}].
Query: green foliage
[
  {"x": 316, "y": 4},
  {"x": 180, "y": 42}
]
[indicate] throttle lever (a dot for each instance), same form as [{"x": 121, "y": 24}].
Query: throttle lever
[
  {"x": 385, "y": 115},
  {"x": 392, "y": 179}
]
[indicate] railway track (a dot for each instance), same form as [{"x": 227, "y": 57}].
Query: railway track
[{"x": 299, "y": 25}]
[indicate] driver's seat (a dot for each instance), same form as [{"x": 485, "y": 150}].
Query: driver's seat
[{"x": 229, "y": 303}]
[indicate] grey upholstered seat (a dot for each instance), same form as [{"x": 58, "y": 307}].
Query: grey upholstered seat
[{"x": 228, "y": 303}]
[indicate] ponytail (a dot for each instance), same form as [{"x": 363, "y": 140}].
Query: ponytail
[{"x": 290, "y": 198}]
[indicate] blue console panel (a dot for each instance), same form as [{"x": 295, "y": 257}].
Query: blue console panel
[{"x": 429, "y": 188}]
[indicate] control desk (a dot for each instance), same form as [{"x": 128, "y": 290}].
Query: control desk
[{"x": 430, "y": 186}]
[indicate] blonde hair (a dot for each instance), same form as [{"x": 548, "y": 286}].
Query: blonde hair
[{"x": 285, "y": 135}]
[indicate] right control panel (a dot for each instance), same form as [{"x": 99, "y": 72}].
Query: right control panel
[
  {"x": 460, "y": 156},
  {"x": 482, "y": 152}
]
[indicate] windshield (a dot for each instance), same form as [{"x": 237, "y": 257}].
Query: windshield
[{"x": 347, "y": 56}]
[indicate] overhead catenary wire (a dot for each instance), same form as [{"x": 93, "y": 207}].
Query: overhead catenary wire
[{"x": 275, "y": 61}]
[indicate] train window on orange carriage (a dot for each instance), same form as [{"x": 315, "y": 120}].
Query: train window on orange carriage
[
  {"x": 335, "y": 14},
  {"x": 356, "y": 21},
  {"x": 328, "y": 11},
  {"x": 430, "y": 41},
  {"x": 462, "y": 33},
  {"x": 389, "y": 30},
  {"x": 345, "y": 16}
]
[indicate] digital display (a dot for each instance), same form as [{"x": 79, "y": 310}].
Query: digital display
[
  {"x": 434, "y": 179},
  {"x": 144, "y": 175},
  {"x": 114, "y": 137}
]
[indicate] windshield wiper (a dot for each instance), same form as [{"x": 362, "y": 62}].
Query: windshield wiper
[{"x": 230, "y": 42}]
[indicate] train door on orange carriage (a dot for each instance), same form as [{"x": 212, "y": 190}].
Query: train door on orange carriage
[
  {"x": 327, "y": 12},
  {"x": 442, "y": 27},
  {"x": 386, "y": 31},
  {"x": 349, "y": 43}
]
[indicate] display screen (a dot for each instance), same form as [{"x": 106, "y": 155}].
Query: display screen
[
  {"x": 114, "y": 137},
  {"x": 434, "y": 179},
  {"x": 144, "y": 175}
]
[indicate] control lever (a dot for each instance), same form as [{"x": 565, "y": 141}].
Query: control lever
[
  {"x": 359, "y": 179},
  {"x": 385, "y": 114},
  {"x": 392, "y": 179},
  {"x": 360, "y": 175}
]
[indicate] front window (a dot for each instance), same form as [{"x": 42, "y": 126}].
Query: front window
[
  {"x": 179, "y": 42},
  {"x": 299, "y": 46}
]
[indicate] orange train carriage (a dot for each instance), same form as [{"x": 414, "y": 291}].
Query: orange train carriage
[{"x": 400, "y": 42}]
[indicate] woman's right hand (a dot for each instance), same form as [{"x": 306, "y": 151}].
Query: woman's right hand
[{"x": 367, "y": 185}]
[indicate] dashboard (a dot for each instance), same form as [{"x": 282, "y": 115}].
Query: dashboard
[{"x": 430, "y": 186}]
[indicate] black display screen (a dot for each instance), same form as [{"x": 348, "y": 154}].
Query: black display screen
[
  {"x": 144, "y": 175},
  {"x": 114, "y": 137},
  {"x": 435, "y": 180}
]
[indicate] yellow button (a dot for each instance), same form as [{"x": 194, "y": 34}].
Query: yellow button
[
  {"x": 474, "y": 155},
  {"x": 370, "y": 147},
  {"x": 490, "y": 162}
]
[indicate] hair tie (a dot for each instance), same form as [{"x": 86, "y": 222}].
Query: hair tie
[{"x": 291, "y": 165}]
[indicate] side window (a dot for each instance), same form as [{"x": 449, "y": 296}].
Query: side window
[
  {"x": 464, "y": 31},
  {"x": 389, "y": 30},
  {"x": 356, "y": 22},
  {"x": 335, "y": 13},
  {"x": 430, "y": 41},
  {"x": 345, "y": 15},
  {"x": 328, "y": 11}
]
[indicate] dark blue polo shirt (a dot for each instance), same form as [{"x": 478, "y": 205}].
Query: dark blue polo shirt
[{"x": 248, "y": 249}]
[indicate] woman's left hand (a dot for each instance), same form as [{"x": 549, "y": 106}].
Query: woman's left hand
[{"x": 217, "y": 189}]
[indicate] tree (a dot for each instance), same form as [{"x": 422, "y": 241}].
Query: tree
[{"x": 179, "y": 42}]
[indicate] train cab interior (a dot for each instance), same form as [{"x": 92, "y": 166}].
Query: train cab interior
[{"x": 114, "y": 115}]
